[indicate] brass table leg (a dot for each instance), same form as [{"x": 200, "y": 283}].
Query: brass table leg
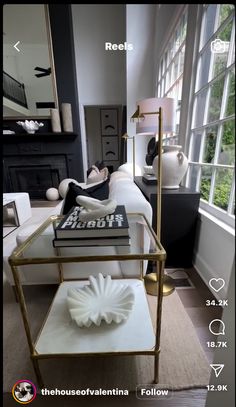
[
  {"x": 37, "y": 372},
  {"x": 160, "y": 277}
]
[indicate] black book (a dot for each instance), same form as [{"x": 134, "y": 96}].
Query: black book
[
  {"x": 112, "y": 225},
  {"x": 98, "y": 241}
]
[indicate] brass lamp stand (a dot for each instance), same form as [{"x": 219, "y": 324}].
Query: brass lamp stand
[{"x": 150, "y": 280}]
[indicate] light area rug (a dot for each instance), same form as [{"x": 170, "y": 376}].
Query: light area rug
[{"x": 183, "y": 364}]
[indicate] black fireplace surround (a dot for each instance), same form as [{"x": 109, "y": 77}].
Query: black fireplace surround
[{"x": 35, "y": 163}]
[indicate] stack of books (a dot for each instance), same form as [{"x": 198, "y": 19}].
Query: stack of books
[{"x": 112, "y": 230}]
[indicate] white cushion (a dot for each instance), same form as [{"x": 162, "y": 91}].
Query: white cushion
[{"x": 128, "y": 168}]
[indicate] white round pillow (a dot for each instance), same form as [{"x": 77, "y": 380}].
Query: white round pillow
[
  {"x": 64, "y": 185},
  {"x": 52, "y": 194}
]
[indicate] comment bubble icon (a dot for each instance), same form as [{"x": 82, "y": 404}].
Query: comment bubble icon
[{"x": 217, "y": 327}]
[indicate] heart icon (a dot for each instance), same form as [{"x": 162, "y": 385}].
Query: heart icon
[{"x": 217, "y": 284}]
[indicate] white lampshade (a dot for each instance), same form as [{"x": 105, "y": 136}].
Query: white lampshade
[{"x": 150, "y": 123}]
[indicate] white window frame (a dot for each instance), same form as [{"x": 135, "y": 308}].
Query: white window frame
[
  {"x": 225, "y": 216},
  {"x": 163, "y": 71}
]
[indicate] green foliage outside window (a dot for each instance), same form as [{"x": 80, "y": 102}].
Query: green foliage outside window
[
  {"x": 225, "y": 11},
  {"x": 222, "y": 189},
  {"x": 210, "y": 144},
  {"x": 230, "y": 108}
]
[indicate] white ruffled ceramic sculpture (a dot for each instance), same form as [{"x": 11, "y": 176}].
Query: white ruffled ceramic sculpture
[
  {"x": 30, "y": 126},
  {"x": 103, "y": 299},
  {"x": 94, "y": 208}
]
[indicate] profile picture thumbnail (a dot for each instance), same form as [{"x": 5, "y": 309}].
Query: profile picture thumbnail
[{"x": 24, "y": 391}]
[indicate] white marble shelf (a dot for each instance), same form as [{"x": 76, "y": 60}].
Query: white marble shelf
[{"x": 61, "y": 335}]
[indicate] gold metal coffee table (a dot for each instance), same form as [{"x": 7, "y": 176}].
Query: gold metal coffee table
[{"x": 61, "y": 337}]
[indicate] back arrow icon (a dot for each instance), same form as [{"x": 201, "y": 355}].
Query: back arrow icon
[{"x": 15, "y": 46}]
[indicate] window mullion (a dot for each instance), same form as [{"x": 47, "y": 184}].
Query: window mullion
[
  {"x": 212, "y": 189},
  {"x": 207, "y": 106},
  {"x": 202, "y": 29},
  {"x": 217, "y": 17},
  {"x": 231, "y": 45},
  {"x": 187, "y": 180},
  {"x": 202, "y": 164},
  {"x": 199, "y": 176},
  {"x": 200, "y": 159},
  {"x": 224, "y": 96},
  {"x": 218, "y": 144},
  {"x": 216, "y": 122},
  {"x": 174, "y": 84},
  {"x": 231, "y": 197}
]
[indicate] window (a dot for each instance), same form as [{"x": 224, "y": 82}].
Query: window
[
  {"x": 212, "y": 134},
  {"x": 170, "y": 73}
]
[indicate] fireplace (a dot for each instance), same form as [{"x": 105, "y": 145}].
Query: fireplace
[
  {"x": 34, "y": 163},
  {"x": 35, "y": 174}
]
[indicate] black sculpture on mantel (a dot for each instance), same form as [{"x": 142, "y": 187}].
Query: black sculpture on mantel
[{"x": 152, "y": 151}]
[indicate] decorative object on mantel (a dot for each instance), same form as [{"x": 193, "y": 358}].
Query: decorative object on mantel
[
  {"x": 148, "y": 169},
  {"x": 174, "y": 166},
  {"x": 103, "y": 299},
  {"x": 149, "y": 176},
  {"x": 66, "y": 117},
  {"x": 52, "y": 194},
  {"x": 8, "y": 132},
  {"x": 63, "y": 186},
  {"x": 55, "y": 120},
  {"x": 30, "y": 126}
]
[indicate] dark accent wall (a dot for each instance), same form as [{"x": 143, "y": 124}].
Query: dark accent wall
[{"x": 64, "y": 59}]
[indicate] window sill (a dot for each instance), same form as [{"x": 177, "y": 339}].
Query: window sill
[{"x": 218, "y": 222}]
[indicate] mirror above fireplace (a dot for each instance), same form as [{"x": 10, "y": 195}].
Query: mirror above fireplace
[{"x": 29, "y": 81}]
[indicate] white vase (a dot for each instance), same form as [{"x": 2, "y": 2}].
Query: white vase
[{"x": 174, "y": 166}]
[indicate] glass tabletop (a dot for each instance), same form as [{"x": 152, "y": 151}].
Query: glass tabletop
[{"x": 38, "y": 248}]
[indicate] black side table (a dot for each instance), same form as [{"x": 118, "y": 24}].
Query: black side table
[{"x": 178, "y": 224}]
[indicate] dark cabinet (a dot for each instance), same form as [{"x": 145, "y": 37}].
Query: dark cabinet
[{"x": 178, "y": 223}]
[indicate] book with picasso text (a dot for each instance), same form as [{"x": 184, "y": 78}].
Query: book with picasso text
[{"x": 71, "y": 227}]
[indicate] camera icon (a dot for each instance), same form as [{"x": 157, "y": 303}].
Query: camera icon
[{"x": 218, "y": 46}]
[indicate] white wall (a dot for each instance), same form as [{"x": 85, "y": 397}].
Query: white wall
[
  {"x": 214, "y": 251},
  {"x": 140, "y": 31},
  {"x": 100, "y": 74}
]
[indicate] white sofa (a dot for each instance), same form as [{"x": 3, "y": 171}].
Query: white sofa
[{"x": 124, "y": 191}]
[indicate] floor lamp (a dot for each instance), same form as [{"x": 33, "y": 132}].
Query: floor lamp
[{"x": 156, "y": 115}]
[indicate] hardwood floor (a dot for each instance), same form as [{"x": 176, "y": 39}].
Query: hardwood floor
[{"x": 193, "y": 299}]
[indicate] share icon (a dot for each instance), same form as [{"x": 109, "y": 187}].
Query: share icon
[{"x": 217, "y": 369}]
